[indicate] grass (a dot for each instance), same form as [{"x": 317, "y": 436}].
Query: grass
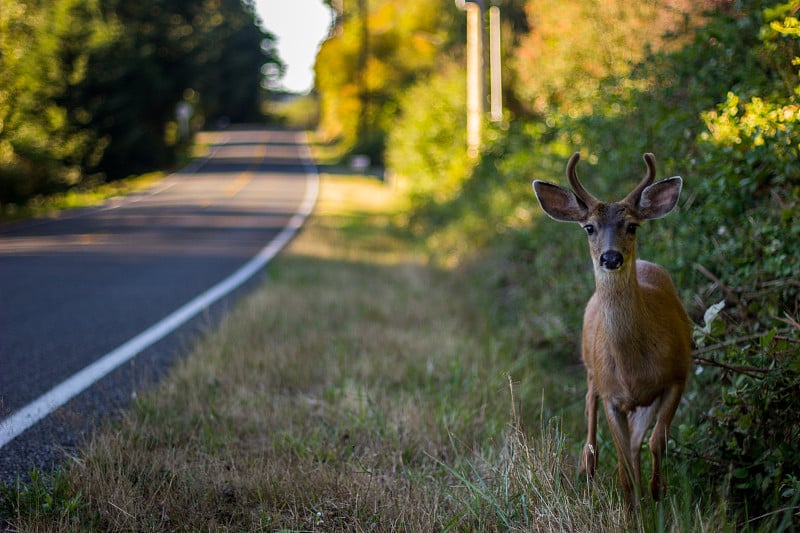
[
  {"x": 359, "y": 389},
  {"x": 50, "y": 206},
  {"x": 96, "y": 194}
]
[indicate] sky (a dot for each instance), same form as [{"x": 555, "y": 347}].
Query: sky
[{"x": 300, "y": 26}]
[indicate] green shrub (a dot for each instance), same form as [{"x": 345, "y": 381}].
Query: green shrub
[{"x": 427, "y": 146}]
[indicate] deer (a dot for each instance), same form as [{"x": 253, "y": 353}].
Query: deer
[{"x": 636, "y": 338}]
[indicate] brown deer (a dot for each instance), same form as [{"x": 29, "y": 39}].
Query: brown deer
[{"x": 636, "y": 342}]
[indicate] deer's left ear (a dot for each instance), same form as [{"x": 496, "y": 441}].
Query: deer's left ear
[{"x": 660, "y": 198}]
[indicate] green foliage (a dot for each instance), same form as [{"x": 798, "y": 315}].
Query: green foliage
[
  {"x": 749, "y": 156},
  {"x": 45, "y": 144},
  {"x": 78, "y": 197},
  {"x": 378, "y": 50},
  {"x": 45, "y": 498},
  {"x": 89, "y": 89},
  {"x": 425, "y": 146},
  {"x": 746, "y": 440},
  {"x": 209, "y": 54},
  {"x": 296, "y": 112},
  {"x": 719, "y": 103}
]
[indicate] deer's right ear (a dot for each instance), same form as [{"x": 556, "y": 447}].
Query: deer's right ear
[
  {"x": 660, "y": 198},
  {"x": 559, "y": 203}
]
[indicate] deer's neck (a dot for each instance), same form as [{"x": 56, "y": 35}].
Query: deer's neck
[{"x": 622, "y": 307}]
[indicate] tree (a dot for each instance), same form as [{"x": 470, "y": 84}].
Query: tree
[
  {"x": 45, "y": 51},
  {"x": 89, "y": 88},
  {"x": 571, "y": 46},
  {"x": 212, "y": 51},
  {"x": 359, "y": 86}
]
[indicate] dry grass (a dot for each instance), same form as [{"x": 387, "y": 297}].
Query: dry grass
[{"x": 356, "y": 390}]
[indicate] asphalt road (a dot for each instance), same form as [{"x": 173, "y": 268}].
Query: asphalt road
[{"x": 74, "y": 288}]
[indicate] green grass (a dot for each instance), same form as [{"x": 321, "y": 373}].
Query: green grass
[
  {"x": 95, "y": 195},
  {"x": 50, "y": 206},
  {"x": 359, "y": 388}
]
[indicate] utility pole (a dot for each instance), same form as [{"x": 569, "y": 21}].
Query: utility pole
[
  {"x": 496, "y": 104},
  {"x": 475, "y": 101},
  {"x": 363, "y": 91}
]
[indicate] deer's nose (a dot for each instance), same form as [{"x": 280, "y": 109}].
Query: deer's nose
[{"x": 611, "y": 260}]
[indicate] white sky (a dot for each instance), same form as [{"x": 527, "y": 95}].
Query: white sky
[{"x": 300, "y": 26}]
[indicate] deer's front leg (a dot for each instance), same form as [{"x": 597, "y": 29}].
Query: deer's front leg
[
  {"x": 589, "y": 455},
  {"x": 658, "y": 440}
]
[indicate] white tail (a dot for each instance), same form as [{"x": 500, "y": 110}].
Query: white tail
[{"x": 636, "y": 341}]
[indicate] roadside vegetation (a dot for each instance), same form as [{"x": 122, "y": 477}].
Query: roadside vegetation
[
  {"x": 300, "y": 112},
  {"x": 712, "y": 89},
  {"x": 50, "y": 205},
  {"x": 95, "y": 194}
]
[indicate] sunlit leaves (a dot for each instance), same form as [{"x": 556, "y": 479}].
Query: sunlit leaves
[
  {"x": 360, "y": 74},
  {"x": 572, "y": 46},
  {"x": 426, "y": 144}
]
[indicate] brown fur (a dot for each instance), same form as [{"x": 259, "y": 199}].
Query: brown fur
[{"x": 636, "y": 342}]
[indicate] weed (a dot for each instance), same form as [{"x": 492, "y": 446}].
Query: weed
[{"x": 44, "y": 498}]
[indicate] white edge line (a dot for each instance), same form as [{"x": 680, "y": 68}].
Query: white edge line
[{"x": 28, "y": 416}]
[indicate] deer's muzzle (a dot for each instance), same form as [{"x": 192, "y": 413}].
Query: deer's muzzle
[{"x": 611, "y": 260}]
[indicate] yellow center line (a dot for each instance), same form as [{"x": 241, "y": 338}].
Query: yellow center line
[
  {"x": 245, "y": 177},
  {"x": 241, "y": 182}
]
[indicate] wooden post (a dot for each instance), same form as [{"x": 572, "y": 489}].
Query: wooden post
[
  {"x": 496, "y": 104},
  {"x": 475, "y": 106}
]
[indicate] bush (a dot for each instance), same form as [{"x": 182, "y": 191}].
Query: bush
[{"x": 427, "y": 146}]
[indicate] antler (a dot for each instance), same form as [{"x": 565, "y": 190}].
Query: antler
[
  {"x": 575, "y": 183},
  {"x": 635, "y": 194}
]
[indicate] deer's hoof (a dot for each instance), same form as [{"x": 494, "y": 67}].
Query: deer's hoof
[
  {"x": 658, "y": 487},
  {"x": 588, "y": 460}
]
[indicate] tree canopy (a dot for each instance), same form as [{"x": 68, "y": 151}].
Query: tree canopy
[
  {"x": 377, "y": 49},
  {"x": 89, "y": 89}
]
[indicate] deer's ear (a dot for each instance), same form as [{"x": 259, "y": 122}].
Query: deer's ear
[
  {"x": 660, "y": 198},
  {"x": 559, "y": 203}
]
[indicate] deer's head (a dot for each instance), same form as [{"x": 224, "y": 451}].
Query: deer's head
[{"x": 611, "y": 227}]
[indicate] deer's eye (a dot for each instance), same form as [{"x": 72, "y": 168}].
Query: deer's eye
[
  {"x": 632, "y": 229},
  {"x": 589, "y": 229}
]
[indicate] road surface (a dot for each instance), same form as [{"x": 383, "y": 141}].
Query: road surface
[{"x": 125, "y": 283}]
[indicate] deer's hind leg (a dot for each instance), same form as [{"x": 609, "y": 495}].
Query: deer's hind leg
[
  {"x": 639, "y": 421},
  {"x": 620, "y": 432},
  {"x": 658, "y": 440}
]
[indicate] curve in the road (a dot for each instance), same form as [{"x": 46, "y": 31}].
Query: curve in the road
[{"x": 27, "y": 416}]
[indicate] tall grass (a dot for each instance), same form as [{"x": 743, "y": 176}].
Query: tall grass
[{"x": 360, "y": 388}]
